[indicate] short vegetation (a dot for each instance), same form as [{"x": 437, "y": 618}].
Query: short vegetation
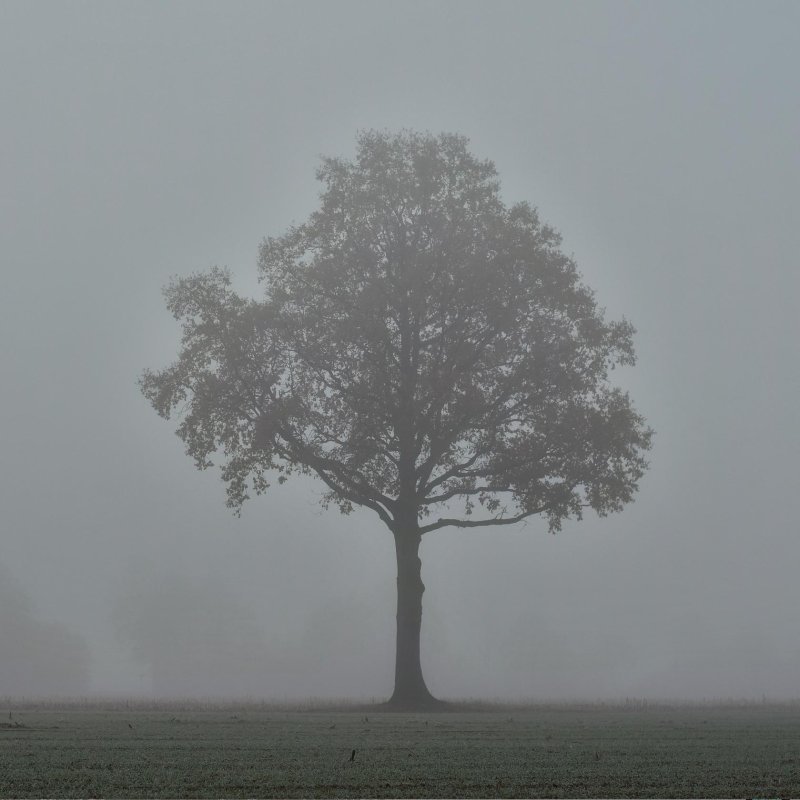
[{"x": 558, "y": 751}]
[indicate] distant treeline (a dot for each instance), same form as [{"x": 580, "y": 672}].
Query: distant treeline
[{"x": 355, "y": 704}]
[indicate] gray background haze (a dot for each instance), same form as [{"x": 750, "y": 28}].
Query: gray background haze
[{"x": 144, "y": 140}]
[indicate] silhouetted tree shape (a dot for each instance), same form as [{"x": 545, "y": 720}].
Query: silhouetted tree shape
[
  {"x": 424, "y": 350},
  {"x": 37, "y": 658},
  {"x": 195, "y": 637}
]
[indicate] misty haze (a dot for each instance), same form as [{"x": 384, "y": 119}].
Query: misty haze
[{"x": 146, "y": 145}]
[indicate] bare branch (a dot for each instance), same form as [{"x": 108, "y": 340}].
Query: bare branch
[
  {"x": 463, "y": 491},
  {"x": 480, "y": 523},
  {"x": 348, "y": 481}
]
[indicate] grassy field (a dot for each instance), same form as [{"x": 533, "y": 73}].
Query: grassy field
[{"x": 566, "y": 751}]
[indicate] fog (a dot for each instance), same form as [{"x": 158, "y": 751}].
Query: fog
[{"x": 143, "y": 141}]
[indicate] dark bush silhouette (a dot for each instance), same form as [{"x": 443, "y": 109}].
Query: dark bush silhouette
[{"x": 37, "y": 658}]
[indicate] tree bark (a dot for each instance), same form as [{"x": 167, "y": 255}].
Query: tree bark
[{"x": 410, "y": 691}]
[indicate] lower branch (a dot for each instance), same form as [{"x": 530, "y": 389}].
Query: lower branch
[{"x": 479, "y": 523}]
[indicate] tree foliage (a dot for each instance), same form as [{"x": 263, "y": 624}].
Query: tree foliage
[{"x": 425, "y": 350}]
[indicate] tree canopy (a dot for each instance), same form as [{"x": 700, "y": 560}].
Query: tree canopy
[{"x": 425, "y": 350}]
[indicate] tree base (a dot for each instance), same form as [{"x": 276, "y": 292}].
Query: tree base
[{"x": 420, "y": 704}]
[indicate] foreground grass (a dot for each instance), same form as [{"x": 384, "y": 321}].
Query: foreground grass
[{"x": 534, "y": 752}]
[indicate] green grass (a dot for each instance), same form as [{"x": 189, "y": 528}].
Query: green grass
[{"x": 547, "y": 751}]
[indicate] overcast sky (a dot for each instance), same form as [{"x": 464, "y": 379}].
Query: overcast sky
[{"x": 144, "y": 140}]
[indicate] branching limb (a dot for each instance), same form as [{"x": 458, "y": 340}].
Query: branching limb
[
  {"x": 336, "y": 476},
  {"x": 480, "y": 523},
  {"x": 444, "y": 496}
]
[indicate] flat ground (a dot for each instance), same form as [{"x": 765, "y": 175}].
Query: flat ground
[{"x": 567, "y": 751}]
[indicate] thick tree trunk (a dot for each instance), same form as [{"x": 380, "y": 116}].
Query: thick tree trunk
[{"x": 410, "y": 691}]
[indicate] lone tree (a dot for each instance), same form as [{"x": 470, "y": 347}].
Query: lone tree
[{"x": 426, "y": 351}]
